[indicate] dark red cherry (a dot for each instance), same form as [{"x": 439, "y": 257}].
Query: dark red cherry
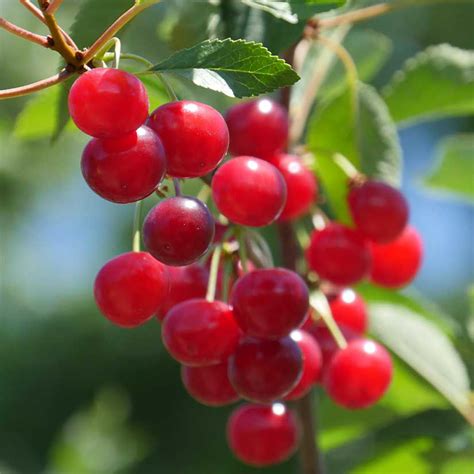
[
  {"x": 186, "y": 283},
  {"x": 199, "y": 332},
  {"x": 380, "y": 212},
  {"x": 263, "y": 370},
  {"x": 348, "y": 309},
  {"x": 396, "y": 264},
  {"x": 194, "y": 135},
  {"x": 339, "y": 254},
  {"x": 359, "y": 375},
  {"x": 269, "y": 303},
  {"x": 178, "y": 230},
  {"x": 108, "y": 103},
  {"x": 209, "y": 385},
  {"x": 312, "y": 364},
  {"x": 249, "y": 191},
  {"x": 124, "y": 169},
  {"x": 257, "y": 128},
  {"x": 130, "y": 288}
]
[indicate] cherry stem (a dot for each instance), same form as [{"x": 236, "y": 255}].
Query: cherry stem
[
  {"x": 61, "y": 45},
  {"x": 53, "y": 6},
  {"x": 228, "y": 268},
  {"x": 177, "y": 186},
  {"x": 259, "y": 252},
  {"x": 137, "y": 217},
  {"x": 25, "y": 34},
  {"x": 346, "y": 166},
  {"x": 213, "y": 273},
  {"x": 243, "y": 250}
]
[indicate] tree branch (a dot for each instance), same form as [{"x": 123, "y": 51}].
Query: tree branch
[
  {"x": 25, "y": 34},
  {"x": 67, "y": 51}
]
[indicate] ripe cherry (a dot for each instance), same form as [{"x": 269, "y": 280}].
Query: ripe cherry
[
  {"x": 348, "y": 309},
  {"x": 199, "y": 332},
  {"x": 257, "y": 128},
  {"x": 263, "y": 370},
  {"x": 124, "y": 169},
  {"x": 130, "y": 288},
  {"x": 312, "y": 364},
  {"x": 108, "y": 103},
  {"x": 359, "y": 375},
  {"x": 262, "y": 435},
  {"x": 195, "y": 137},
  {"x": 339, "y": 254},
  {"x": 249, "y": 191},
  {"x": 396, "y": 264},
  {"x": 186, "y": 283},
  {"x": 301, "y": 186},
  {"x": 380, "y": 212},
  {"x": 209, "y": 385},
  {"x": 178, "y": 230},
  {"x": 269, "y": 303}
]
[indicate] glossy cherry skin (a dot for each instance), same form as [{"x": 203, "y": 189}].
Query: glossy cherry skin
[
  {"x": 124, "y": 169},
  {"x": 209, "y": 385},
  {"x": 257, "y": 128},
  {"x": 396, "y": 264},
  {"x": 108, "y": 103},
  {"x": 339, "y": 254},
  {"x": 359, "y": 375},
  {"x": 263, "y": 370},
  {"x": 178, "y": 230},
  {"x": 312, "y": 364},
  {"x": 263, "y": 435},
  {"x": 130, "y": 288},
  {"x": 186, "y": 283},
  {"x": 269, "y": 303},
  {"x": 199, "y": 332},
  {"x": 249, "y": 191},
  {"x": 301, "y": 185},
  {"x": 195, "y": 137},
  {"x": 380, "y": 212},
  {"x": 348, "y": 309}
]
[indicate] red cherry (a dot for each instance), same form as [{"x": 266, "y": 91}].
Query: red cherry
[
  {"x": 339, "y": 254},
  {"x": 359, "y": 375},
  {"x": 108, "y": 103},
  {"x": 209, "y": 385},
  {"x": 130, "y": 288},
  {"x": 262, "y": 435},
  {"x": 178, "y": 230},
  {"x": 199, "y": 332},
  {"x": 194, "y": 135},
  {"x": 380, "y": 212},
  {"x": 186, "y": 283},
  {"x": 257, "y": 128},
  {"x": 269, "y": 303},
  {"x": 249, "y": 191},
  {"x": 348, "y": 309},
  {"x": 263, "y": 370},
  {"x": 396, "y": 264},
  {"x": 300, "y": 184},
  {"x": 124, "y": 169},
  {"x": 312, "y": 364}
]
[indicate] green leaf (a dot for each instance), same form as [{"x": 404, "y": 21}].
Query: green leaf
[
  {"x": 438, "y": 82},
  {"x": 454, "y": 169},
  {"x": 236, "y": 68},
  {"x": 281, "y": 10}
]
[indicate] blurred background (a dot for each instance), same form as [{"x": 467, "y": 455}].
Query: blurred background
[{"x": 78, "y": 395}]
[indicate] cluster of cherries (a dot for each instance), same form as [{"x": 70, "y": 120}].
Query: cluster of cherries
[{"x": 263, "y": 344}]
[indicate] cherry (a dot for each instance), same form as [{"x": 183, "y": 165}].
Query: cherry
[
  {"x": 199, "y": 332},
  {"x": 178, "y": 230},
  {"x": 108, "y": 103},
  {"x": 257, "y": 128},
  {"x": 300, "y": 184},
  {"x": 312, "y": 364},
  {"x": 359, "y": 375},
  {"x": 269, "y": 303},
  {"x": 130, "y": 288},
  {"x": 209, "y": 385},
  {"x": 380, "y": 212},
  {"x": 396, "y": 264},
  {"x": 186, "y": 283},
  {"x": 339, "y": 254},
  {"x": 124, "y": 169},
  {"x": 262, "y": 435},
  {"x": 348, "y": 309},
  {"x": 195, "y": 137},
  {"x": 249, "y": 191},
  {"x": 263, "y": 370}
]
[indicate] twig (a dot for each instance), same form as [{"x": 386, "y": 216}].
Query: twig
[
  {"x": 25, "y": 34},
  {"x": 53, "y": 6},
  {"x": 67, "y": 51}
]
